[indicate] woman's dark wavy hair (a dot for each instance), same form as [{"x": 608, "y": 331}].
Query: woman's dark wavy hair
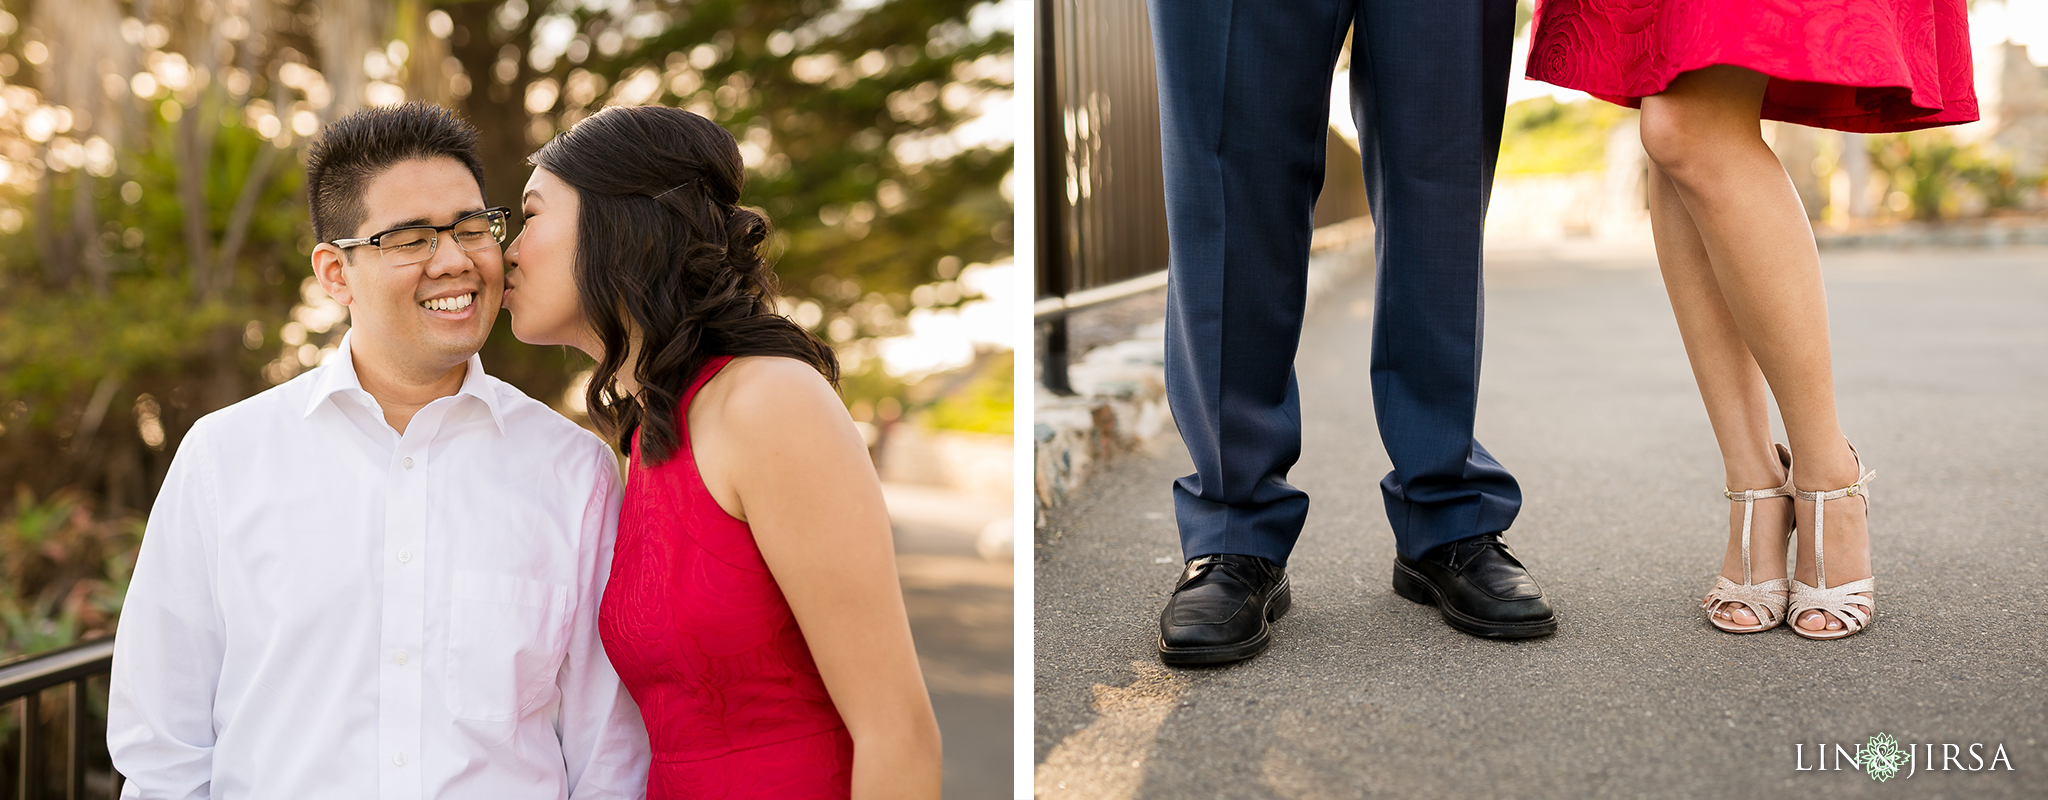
[{"x": 664, "y": 250}]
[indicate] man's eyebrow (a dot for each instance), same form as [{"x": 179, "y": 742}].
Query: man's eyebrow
[{"x": 419, "y": 221}]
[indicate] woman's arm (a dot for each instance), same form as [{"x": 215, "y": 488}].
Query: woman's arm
[{"x": 777, "y": 449}]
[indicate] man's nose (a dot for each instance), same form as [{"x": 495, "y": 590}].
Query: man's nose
[{"x": 449, "y": 257}]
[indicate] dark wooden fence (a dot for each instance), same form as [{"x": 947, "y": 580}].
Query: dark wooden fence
[{"x": 1101, "y": 201}]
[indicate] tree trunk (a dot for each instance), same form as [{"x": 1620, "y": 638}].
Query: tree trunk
[
  {"x": 50, "y": 248},
  {"x": 497, "y": 109},
  {"x": 347, "y": 31},
  {"x": 191, "y": 164},
  {"x": 87, "y": 33},
  {"x": 1854, "y": 177}
]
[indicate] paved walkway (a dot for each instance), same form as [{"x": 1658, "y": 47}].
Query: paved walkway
[
  {"x": 1942, "y": 369},
  {"x": 960, "y": 611}
]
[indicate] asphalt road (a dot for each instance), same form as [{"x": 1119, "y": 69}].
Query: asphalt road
[
  {"x": 960, "y": 608},
  {"x": 1942, "y": 373}
]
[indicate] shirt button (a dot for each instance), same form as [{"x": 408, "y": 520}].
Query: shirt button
[
  {"x": 404, "y": 556},
  {"x": 407, "y": 462},
  {"x": 398, "y": 759},
  {"x": 401, "y": 658}
]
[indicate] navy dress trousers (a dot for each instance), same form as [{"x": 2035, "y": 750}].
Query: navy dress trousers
[{"x": 1244, "y": 95}]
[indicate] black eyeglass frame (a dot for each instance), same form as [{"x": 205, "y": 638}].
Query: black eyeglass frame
[{"x": 498, "y": 225}]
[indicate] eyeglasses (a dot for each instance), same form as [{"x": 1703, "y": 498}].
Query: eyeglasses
[{"x": 416, "y": 243}]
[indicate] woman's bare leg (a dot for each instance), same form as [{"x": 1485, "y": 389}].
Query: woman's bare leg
[
  {"x": 1732, "y": 386},
  {"x": 1702, "y": 133}
]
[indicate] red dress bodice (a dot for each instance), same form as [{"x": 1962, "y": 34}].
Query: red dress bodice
[
  {"x": 1865, "y": 66},
  {"x": 701, "y": 636}
]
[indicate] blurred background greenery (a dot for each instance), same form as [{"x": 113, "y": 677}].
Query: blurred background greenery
[
  {"x": 154, "y": 241},
  {"x": 1572, "y": 166},
  {"x": 1928, "y": 176}
]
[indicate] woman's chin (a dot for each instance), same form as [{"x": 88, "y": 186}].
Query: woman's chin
[
  {"x": 538, "y": 338},
  {"x": 520, "y": 332}
]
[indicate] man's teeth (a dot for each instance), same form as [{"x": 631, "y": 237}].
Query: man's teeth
[{"x": 456, "y": 303}]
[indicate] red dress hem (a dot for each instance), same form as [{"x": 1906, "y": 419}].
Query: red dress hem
[{"x": 1863, "y": 66}]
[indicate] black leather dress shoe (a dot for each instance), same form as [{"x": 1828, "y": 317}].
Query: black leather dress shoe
[
  {"x": 1222, "y": 609},
  {"x": 1479, "y": 586}
]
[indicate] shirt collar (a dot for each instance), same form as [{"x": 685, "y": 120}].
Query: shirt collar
[{"x": 338, "y": 374}]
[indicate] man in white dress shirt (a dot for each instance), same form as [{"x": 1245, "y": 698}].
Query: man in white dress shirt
[{"x": 381, "y": 579}]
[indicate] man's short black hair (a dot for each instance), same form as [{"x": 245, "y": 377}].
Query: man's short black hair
[{"x": 358, "y": 147}]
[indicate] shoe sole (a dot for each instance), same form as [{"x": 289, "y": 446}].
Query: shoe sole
[
  {"x": 1283, "y": 599},
  {"x": 1410, "y": 584}
]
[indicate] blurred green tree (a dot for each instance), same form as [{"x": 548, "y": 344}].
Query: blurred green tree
[
  {"x": 152, "y": 222},
  {"x": 1543, "y": 136},
  {"x": 1921, "y": 166},
  {"x": 1931, "y": 174}
]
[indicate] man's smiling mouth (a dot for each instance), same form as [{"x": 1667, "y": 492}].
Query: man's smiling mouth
[{"x": 456, "y": 303}]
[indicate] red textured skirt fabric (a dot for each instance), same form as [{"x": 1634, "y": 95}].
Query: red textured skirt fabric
[
  {"x": 1865, "y": 66},
  {"x": 701, "y": 636}
]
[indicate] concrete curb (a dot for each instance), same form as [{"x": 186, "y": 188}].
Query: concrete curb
[
  {"x": 2014, "y": 231},
  {"x": 1119, "y": 405}
]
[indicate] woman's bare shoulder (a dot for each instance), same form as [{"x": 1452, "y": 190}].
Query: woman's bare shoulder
[{"x": 770, "y": 392}]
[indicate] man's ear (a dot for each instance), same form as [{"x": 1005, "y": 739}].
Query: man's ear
[{"x": 330, "y": 268}]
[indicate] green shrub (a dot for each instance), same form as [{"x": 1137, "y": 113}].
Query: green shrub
[
  {"x": 984, "y": 403},
  {"x": 1545, "y": 137},
  {"x": 63, "y": 570}
]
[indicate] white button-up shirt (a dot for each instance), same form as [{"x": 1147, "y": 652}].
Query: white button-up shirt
[{"x": 324, "y": 608}]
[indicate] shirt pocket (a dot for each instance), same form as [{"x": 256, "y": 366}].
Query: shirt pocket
[{"x": 506, "y": 637}]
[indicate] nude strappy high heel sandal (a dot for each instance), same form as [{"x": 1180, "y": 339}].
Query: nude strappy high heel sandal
[
  {"x": 1767, "y": 600},
  {"x": 1842, "y": 601}
]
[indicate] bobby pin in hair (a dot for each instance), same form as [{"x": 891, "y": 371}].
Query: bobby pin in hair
[{"x": 675, "y": 187}]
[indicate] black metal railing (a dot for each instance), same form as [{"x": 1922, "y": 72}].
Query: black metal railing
[
  {"x": 1101, "y": 195},
  {"x": 74, "y": 669}
]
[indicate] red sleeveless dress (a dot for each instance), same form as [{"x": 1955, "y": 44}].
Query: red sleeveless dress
[
  {"x": 703, "y": 639},
  {"x": 1864, "y": 66}
]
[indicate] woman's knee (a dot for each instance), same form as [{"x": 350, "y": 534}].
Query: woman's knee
[
  {"x": 1703, "y": 122},
  {"x": 1669, "y": 137}
]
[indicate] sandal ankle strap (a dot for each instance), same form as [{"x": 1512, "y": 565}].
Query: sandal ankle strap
[
  {"x": 1852, "y": 490},
  {"x": 1759, "y": 494}
]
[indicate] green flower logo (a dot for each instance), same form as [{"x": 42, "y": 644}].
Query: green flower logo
[{"x": 1882, "y": 758}]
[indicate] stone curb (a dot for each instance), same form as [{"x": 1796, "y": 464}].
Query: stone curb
[
  {"x": 1119, "y": 405},
  {"x": 1961, "y": 233}
]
